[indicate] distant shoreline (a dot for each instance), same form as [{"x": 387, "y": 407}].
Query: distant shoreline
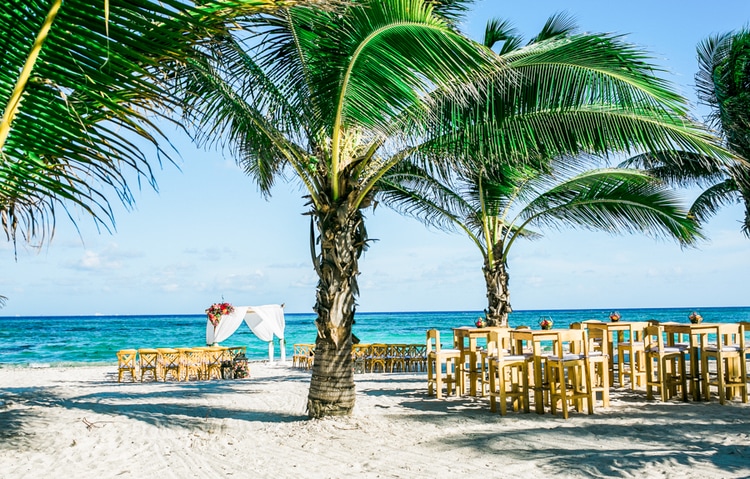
[{"x": 560, "y": 310}]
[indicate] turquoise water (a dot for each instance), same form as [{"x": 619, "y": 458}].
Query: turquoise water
[{"x": 95, "y": 339}]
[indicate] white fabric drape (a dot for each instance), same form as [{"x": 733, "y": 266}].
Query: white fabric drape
[
  {"x": 265, "y": 321},
  {"x": 226, "y": 327}
]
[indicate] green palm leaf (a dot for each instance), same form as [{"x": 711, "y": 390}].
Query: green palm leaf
[
  {"x": 77, "y": 127},
  {"x": 615, "y": 201}
]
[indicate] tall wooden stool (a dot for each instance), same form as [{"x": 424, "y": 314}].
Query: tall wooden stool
[{"x": 437, "y": 358}]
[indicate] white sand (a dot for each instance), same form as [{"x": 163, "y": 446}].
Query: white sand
[{"x": 80, "y": 423}]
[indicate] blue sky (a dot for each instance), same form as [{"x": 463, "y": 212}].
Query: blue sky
[{"x": 208, "y": 234}]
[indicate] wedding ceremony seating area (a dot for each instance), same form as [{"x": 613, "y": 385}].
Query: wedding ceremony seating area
[
  {"x": 372, "y": 358},
  {"x": 182, "y": 364}
]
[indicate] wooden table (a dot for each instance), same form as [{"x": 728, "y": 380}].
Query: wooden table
[
  {"x": 465, "y": 340},
  {"x": 535, "y": 338},
  {"x": 610, "y": 339},
  {"x": 697, "y": 339}
]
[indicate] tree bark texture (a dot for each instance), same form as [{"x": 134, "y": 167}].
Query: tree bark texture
[
  {"x": 341, "y": 235},
  {"x": 498, "y": 295}
]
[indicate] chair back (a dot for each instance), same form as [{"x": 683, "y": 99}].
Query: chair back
[
  {"x": 730, "y": 335},
  {"x": 570, "y": 341},
  {"x": 126, "y": 358},
  {"x": 595, "y": 336},
  {"x": 745, "y": 331},
  {"x": 433, "y": 341},
  {"x": 653, "y": 338},
  {"x": 499, "y": 342}
]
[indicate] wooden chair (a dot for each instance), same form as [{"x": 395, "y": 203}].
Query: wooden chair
[
  {"x": 192, "y": 363},
  {"x": 494, "y": 341},
  {"x": 569, "y": 373},
  {"x": 634, "y": 349},
  {"x": 397, "y": 355},
  {"x": 729, "y": 353},
  {"x": 508, "y": 374},
  {"x": 665, "y": 365},
  {"x": 169, "y": 363},
  {"x": 418, "y": 354},
  {"x": 126, "y": 363},
  {"x": 378, "y": 357},
  {"x": 442, "y": 366},
  {"x": 599, "y": 360},
  {"x": 149, "y": 363},
  {"x": 303, "y": 355},
  {"x": 212, "y": 358},
  {"x": 360, "y": 352}
]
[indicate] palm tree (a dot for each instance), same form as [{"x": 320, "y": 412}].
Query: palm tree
[
  {"x": 337, "y": 99},
  {"x": 495, "y": 207},
  {"x": 722, "y": 84},
  {"x": 480, "y": 205}
]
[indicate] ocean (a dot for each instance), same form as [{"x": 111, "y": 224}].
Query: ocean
[{"x": 80, "y": 340}]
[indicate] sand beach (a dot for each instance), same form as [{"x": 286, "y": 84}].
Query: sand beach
[{"x": 79, "y": 422}]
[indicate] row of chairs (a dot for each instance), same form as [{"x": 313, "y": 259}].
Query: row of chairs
[
  {"x": 371, "y": 358},
  {"x": 179, "y": 364}
]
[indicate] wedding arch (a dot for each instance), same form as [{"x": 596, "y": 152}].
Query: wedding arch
[{"x": 265, "y": 322}]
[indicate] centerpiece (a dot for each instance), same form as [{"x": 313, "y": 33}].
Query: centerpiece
[
  {"x": 217, "y": 310},
  {"x": 614, "y": 316},
  {"x": 695, "y": 317},
  {"x": 545, "y": 322},
  {"x": 481, "y": 322}
]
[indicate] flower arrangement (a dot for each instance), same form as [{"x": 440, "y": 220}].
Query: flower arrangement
[
  {"x": 614, "y": 316},
  {"x": 695, "y": 317},
  {"x": 217, "y": 310},
  {"x": 545, "y": 322},
  {"x": 481, "y": 322},
  {"x": 241, "y": 369}
]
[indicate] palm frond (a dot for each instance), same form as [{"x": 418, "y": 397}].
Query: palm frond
[
  {"x": 412, "y": 191},
  {"x": 89, "y": 101},
  {"x": 712, "y": 199},
  {"x": 614, "y": 201},
  {"x": 568, "y": 103},
  {"x": 678, "y": 168},
  {"x": 383, "y": 59},
  {"x": 498, "y": 30},
  {"x": 561, "y": 23}
]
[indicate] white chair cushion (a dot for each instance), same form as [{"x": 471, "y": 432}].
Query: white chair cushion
[
  {"x": 566, "y": 357},
  {"x": 727, "y": 349}
]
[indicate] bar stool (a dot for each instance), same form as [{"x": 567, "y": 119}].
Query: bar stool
[
  {"x": 731, "y": 365},
  {"x": 508, "y": 375},
  {"x": 436, "y": 358},
  {"x": 665, "y": 365},
  {"x": 126, "y": 363},
  {"x": 599, "y": 362},
  {"x": 635, "y": 367},
  {"x": 569, "y": 373}
]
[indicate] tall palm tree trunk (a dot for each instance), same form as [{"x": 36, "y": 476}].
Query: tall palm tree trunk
[
  {"x": 498, "y": 295},
  {"x": 341, "y": 235}
]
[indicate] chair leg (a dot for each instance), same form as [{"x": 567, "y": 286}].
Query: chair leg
[
  {"x": 439, "y": 378},
  {"x": 720, "y": 379}
]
